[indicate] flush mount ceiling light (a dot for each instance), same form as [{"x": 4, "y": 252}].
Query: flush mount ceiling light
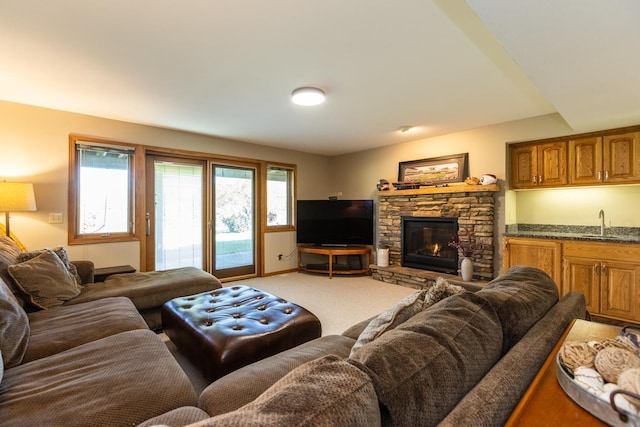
[
  {"x": 307, "y": 96},
  {"x": 405, "y": 128}
]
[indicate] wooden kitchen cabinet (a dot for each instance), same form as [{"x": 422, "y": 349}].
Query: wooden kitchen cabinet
[
  {"x": 545, "y": 254},
  {"x": 605, "y": 159},
  {"x": 609, "y": 276},
  {"x": 538, "y": 165}
]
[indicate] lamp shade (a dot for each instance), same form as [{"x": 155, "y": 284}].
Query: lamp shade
[{"x": 16, "y": 197}]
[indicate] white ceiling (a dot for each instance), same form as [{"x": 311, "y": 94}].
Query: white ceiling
[{"x": 227, "y": 68}]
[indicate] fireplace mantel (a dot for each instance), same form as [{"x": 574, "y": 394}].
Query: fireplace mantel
[{"x": 451, "y": 188}]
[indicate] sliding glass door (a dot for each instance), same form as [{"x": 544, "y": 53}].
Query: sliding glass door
[
  {"x": 234, "y": 225},
  {"x": 175, "y": 213}
]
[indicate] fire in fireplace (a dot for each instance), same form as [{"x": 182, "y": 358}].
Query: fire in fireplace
[{"x": 425, "y": 243}]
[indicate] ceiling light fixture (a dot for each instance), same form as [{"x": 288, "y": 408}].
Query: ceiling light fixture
[
  {"x": 405, "y": 128},
  {"x": 307, "y": 96}
]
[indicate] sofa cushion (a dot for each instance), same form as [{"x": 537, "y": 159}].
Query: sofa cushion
[
  {"x": 62, "y": 254},
  {"x": 326, "y": 391},
  {"x": 14, "y": 328},
  {"x": 119, "y": 380},
  {"x": 404, "y": 310},
  {"x": 502, "y": 388},
  {"x": 9, "y": 250},
  {"x": 521, "y": 296},
  {"x": 150, "y": 289},
  {"x": 45, "y": 280},
  {"x": 422, "y": 368},
  {"x": 61, "y": 328},
  {"x": 178, "y": 417},
  {"x": 244, "y": 385}
]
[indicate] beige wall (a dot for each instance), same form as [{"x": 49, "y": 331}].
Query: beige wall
[
  {"x": 34, "y": 145},
  {"x": 580, "y": 206}
]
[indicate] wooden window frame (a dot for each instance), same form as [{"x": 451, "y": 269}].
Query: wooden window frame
[
  {"x": 135, "y": 185},
  {"x": 292, "y": 198}
]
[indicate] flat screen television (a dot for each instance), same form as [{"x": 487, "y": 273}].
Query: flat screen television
[{"x": 334, "y": 222}]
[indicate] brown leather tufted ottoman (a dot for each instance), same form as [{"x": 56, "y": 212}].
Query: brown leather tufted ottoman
[{"x": 228, "y": 328}]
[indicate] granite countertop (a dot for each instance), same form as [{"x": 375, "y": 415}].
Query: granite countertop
[{"x": 574, "y": 232}]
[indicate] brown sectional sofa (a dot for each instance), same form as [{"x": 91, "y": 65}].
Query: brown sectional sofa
[
  {"x": 95, "y": 363},
  {"x": 148, "y": 291},
  {"x": 90, "y": 359},
  {"x": 466, "y": 360}
]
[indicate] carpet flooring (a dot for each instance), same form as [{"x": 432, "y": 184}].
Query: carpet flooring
[{"x": 339, "y": 303}]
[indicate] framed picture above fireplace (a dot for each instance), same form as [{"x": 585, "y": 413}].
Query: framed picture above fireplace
[{"x": 435, "y": 171}]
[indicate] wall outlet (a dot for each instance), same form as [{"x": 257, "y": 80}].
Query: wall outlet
[{"x": 55, "y": 218}]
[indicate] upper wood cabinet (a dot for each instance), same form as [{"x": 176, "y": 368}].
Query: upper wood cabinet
[
  {"x": 597, "y": 160},
  {"x": 538, "y": 165}
]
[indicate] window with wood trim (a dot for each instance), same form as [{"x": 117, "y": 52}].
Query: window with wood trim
[
  {"x": 280, "y": 197},
  {"x": 101, "y": 199}
]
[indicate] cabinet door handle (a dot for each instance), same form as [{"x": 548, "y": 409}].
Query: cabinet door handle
[
  {"x": 540, "y": 179},
  {"x": 604, "y": 268},
  {"x": 535, "y": 180},
  {"x": 599, "y": 175},
  {"x": 606, "y": 175},
  {"x": 596, "y": 267}
]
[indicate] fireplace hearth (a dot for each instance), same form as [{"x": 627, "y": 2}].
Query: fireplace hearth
[{"x": 425, "y": 243}]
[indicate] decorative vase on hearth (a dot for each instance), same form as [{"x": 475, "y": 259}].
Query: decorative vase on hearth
[{"x": 466, "y": 269}]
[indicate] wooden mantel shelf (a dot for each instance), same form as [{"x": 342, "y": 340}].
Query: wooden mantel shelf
[{"x": 451, "y": 188}]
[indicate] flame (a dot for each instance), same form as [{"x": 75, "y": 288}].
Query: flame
[{"x": 436, "y": 249}]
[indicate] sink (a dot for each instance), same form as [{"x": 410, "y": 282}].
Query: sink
[{"x": 598, "y": 236}]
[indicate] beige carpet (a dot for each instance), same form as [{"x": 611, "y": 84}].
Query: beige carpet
[{"x": 339, "y": 303}]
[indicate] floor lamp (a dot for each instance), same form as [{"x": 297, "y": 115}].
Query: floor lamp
[{"x": 16, "y": 197}]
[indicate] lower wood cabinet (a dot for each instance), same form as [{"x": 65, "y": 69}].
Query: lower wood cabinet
[
  {"x": 545, "y": 254},
  {"x": 608, "y": 274}
]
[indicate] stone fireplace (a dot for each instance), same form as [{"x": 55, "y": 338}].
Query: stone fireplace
[
  {"x": 472, "y": 206},
  {"x": 425, "y": 243}
]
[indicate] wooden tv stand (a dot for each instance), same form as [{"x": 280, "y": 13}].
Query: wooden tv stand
[{"x": 332, "y": 252}]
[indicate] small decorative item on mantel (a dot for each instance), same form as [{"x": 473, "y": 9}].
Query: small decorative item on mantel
[
  {"x": 383, "y": 185},
  {"x": 466, "y": 248}
]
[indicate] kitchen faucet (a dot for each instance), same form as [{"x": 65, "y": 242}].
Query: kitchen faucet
[{"x": 601, "y": 216}]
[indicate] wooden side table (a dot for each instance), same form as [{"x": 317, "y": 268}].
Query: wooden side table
[
  {"x": 99, "y": 274},
  {"x": 545, "y": 403}
]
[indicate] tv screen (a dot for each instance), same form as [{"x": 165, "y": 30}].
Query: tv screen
[{"x": 334, "y": 222}]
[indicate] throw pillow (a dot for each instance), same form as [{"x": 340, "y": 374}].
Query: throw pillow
[
  {"x": 62, "y": 254},
  {"x": 390, "y": 318},
  {"x": 9, "y": 250},
  {"x": 439, "y": 291},
  {"x": 328, "y": 391},
  {"x": 45, "y": 280},
  {"x": 14, "y": 328},
  {"x": 404, "y": 310}
]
